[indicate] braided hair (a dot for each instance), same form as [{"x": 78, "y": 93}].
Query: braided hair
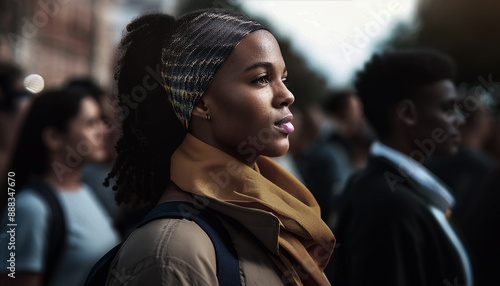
[
  {"x": 164, "y": 66},
  {"x": 150, "y": 130}
]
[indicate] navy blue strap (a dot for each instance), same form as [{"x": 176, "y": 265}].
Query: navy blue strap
[
  {"x": 228, "y": 271},
  {"x": 57, "y": 226}
]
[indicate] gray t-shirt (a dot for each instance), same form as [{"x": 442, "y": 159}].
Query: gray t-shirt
[{"x": 89, "y": 235}]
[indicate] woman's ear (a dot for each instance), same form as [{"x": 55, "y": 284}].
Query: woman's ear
[
  {"x": 201, "y": 109},
  {"x": 52, "y": 138},
  {"x": 406, "y": 112}
]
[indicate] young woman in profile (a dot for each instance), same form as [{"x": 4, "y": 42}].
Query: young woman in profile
[
  {"x": 60, "y": 134},
  {"x": 205, "y": 102}
]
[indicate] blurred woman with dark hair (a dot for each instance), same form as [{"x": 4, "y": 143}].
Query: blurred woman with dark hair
[
  {"x": 13, "y": 101},
  {"x": 61, "y": 230}
]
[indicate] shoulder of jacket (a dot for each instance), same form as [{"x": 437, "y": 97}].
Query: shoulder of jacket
[
  {"x": 174, "y": 247},
  {"x": 170, "y": 236}
]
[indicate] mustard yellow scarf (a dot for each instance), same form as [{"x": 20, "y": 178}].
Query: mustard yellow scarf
[{"x": 305, "y": 241}]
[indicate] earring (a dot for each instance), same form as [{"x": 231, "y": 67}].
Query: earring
[{"x": 208, "y": 117}]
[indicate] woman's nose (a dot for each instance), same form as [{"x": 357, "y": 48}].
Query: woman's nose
[{"x": 282, "y": 96}]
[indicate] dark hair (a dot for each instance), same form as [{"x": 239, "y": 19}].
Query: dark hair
[
  {"x": 393, "y": 76},
  {"x": 51, "y": 108},
  {"x": 150, "y": 130},
  {"x": 182, "y": 56},
  {"x": 9, "y": 73},
  {"x": 85, "y": 85}
]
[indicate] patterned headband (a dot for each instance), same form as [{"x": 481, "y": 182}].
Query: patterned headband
[{"x": 198, "y": 47}]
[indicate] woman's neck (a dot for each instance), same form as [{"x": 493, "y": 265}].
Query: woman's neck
[
  {"x": 63, "y": 177},
  {"x": 174, "y": 193}
]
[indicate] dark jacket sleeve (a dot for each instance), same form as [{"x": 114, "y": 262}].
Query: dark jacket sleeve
[
  {"x": 380, "y": 244},
  {"x": 391, "y": 253}
]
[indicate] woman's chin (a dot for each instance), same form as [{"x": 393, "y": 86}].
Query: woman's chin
[{"x": 277, "y": 149}]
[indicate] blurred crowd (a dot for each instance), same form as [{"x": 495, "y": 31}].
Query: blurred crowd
[
  {"x": 336, "y": 152},
  {"x": 330, "y": 144},
  {"x": 332, "y": 140}
]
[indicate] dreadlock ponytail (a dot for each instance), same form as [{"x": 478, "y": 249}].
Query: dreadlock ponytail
[
  {"x": 164, "y": 67},
  {"x": 150, "y": 130}
]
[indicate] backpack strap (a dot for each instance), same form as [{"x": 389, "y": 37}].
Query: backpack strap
[
  {"x": 228, "y": 270},
  {"x": 57, "y": 227}
]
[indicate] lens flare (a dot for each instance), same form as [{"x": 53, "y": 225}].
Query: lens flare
[{"x": 34, "y": 83}]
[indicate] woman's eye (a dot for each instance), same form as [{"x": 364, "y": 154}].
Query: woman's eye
[
  {"x": 262, "y": 80},
  {"x": 285, "y": 81}
]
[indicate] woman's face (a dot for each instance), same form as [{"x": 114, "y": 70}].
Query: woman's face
[
  {"x": 84, "y": 138},
  {"x": 248, "y": 101}
]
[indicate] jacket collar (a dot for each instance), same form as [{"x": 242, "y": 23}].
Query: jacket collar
[
  {"x": 422, "y": 180},
  {"x": 263, "y": 225}
]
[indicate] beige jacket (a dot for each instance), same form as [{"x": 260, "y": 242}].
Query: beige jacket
[{"x": 179, "y": 252}]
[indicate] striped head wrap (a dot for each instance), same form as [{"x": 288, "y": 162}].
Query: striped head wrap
[{"x": 200, "y": 43}]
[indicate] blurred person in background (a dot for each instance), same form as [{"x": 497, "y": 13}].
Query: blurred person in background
[
  {"x": 94, "y": 173},
  {"x": 473, "y": 176},
  {"x": 393, "y": 226},
  {"x": 480, "y": 223},
  {"x": 350, "y": 137},
  {"x": 492, "y": 142},
  {"x": 13, "y": 103},
  {"x": 59, "y": 136},
  {"x": 350, "y": 133},
  {"x": 465, "y": 172},
  {"x": 328, "y": 149},
  {"x": 321, "y": 164}
]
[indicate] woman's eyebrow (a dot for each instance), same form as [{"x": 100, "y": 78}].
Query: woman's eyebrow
[
  {"x": 267, "y": 65},
  {"x": 259, "y": 65}
]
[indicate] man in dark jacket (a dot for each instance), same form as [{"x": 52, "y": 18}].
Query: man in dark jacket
[{"x": 394, "y": 226}]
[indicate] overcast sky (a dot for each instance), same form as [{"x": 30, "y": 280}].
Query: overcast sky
[{"x": 336, "y": 36}]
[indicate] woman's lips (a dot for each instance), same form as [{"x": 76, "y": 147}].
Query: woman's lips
[
  {"x": 285, "y": 125},
  {"x": 289, "y": 127}
]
